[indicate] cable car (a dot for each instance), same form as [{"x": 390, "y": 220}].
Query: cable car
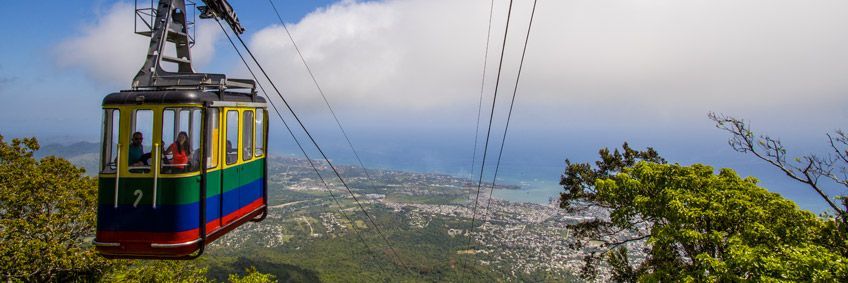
[{"x": 183, "y": 157}]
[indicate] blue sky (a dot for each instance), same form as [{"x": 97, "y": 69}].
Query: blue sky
[
  {"x": 405, "y": 76},
  {"x": 30, "y": 76}
]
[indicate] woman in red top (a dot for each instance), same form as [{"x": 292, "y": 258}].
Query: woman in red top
[{"x": 180, "y": 149}]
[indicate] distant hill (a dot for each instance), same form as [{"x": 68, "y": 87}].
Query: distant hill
[
  {"x": 83, "y": 154},
  {"x": 70, "y": 150}
]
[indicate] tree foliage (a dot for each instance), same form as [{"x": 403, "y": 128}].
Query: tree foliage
[
  {"x": 47, "y": 215},
  {"x": 47, "y": 220},
  {"x": 252, "y": 276},
  {"x": 158, "y": 271},
  {"x": 694, "y": 224},
  {"x": 579, "y": 178},
  {"x": 808, "y": 169}
]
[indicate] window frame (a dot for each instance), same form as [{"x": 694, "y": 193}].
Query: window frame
[
  {"x": 227, "y": 129},
  {"x": 132, "y": 122},
  {"x": 259, "y": 138},
  {"x": 113, "y": 128},
  {"x": 247, "y": 151},
  {"x": 192, "y": 129},
  {"x": 212, "y": 137}
]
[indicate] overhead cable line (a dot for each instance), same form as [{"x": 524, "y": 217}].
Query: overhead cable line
[
  {"x": 511, "y": 104},
  {"x": 318, "y": 147},
  {"x": 491, "y": 117},
  {"x": 482, "y": 87},
  {"x": 321, "y": 91},
  {"x": 480, "y": 101},
  {"x": 299, "y": 145}
]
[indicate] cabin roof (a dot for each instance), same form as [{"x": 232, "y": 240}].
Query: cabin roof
[{"x": 189, "y": 96}]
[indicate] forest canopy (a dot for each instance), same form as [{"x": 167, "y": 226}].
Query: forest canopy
[
  {"x": 693, "y": 222},
  {"x": 47, "y": 220},
  {"x": 696, "y": 224}
]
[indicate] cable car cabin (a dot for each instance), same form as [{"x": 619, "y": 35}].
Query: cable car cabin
[{"x": 179, "y": 169}]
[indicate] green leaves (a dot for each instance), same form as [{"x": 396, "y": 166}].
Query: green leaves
[
  {"x": 704, "y": 226},
  {"x": 47, "y": 213},
  {"x": 158, "y": 271},
  {"x": 47, "y": 220},
  {"x": 252, "y": 276}
]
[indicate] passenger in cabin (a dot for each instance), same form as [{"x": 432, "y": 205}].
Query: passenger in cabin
[
  {"x": 194, "y": 160},
  {"x": 180, "y": 149},
  {"x": 137, "y": 157},
  {"x": 232, "y": 153}
]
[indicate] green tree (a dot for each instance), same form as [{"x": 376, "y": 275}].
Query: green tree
[
  {"x": 810, "y": 169},
  {"x": 177, "y": 271},
  {"x": 694, "y": 224},
  {"x": 47, "y": 216},
  {"x": 158, "y": 271},
  {"x": 47, "y": 220},
  {"x": 252, "y": 276}
]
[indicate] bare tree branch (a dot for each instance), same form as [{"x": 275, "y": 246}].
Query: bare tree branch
[
  {"x": 772, "y": 151},
  {"x": 842, "y": 139}
]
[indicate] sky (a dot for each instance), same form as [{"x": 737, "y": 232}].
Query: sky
[{"x": 405, "y": 77}]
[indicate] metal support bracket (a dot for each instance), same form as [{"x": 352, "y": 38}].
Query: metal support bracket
[{"x": 171, "y": 25}]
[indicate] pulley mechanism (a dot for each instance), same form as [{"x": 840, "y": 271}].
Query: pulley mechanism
[{"x": 171, "y": 25}]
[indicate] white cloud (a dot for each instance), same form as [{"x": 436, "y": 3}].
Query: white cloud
[
  {"x": 598, "y": 72},
  {"x": 631, "y": 63},
  {"x": 208, "y": 32},
  {"x": 378, "y": 55},
  {"x": 591, "y": 63},
  {"x": 107, "y": 50}
]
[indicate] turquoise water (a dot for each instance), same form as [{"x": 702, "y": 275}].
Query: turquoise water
[
  {"x": 536, "y": 164},
  {"x": 538, "y": 184},
  {"x": 533, "y": 192}
]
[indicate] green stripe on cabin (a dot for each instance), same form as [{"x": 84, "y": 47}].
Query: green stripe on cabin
[{"x": 177, "y": 191}]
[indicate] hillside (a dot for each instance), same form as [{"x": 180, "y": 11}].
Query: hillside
[{"x": 307, "y": 237}]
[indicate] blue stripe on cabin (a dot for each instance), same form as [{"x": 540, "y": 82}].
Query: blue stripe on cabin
[{"x": 174, "y": 218}]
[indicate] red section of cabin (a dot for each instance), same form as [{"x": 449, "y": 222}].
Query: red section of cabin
[{"x": 138, "y": 244}]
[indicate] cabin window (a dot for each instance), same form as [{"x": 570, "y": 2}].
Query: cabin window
[
  {"x": 247, "y": 135},
  {"x": 212, "y": 138},
  {"x": 111, "y": 126},
  {"x": 260, "y": 131},
  {"x": 232, "y": 136},
  {"x": 180, "y": 140},
  {"x": 195, "y": 127},
  {"x": 141, "y": 142}
]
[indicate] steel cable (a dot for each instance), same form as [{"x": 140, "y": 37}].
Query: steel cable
[
  {"x": 482, "y": 87},
  {"x": 300, "y": 146},
  {"x": 318, "y": 147},
  {"x": 489, "y": 131},
  {"x": 321, "y": 91},
  {"x": 509, "y": 115}
]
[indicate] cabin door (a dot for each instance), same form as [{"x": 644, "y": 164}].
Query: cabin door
[
  {"x": 214, "y": 180},
  {"x": 247, "y": 173},
  {"x": 230, "y": 174}
]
